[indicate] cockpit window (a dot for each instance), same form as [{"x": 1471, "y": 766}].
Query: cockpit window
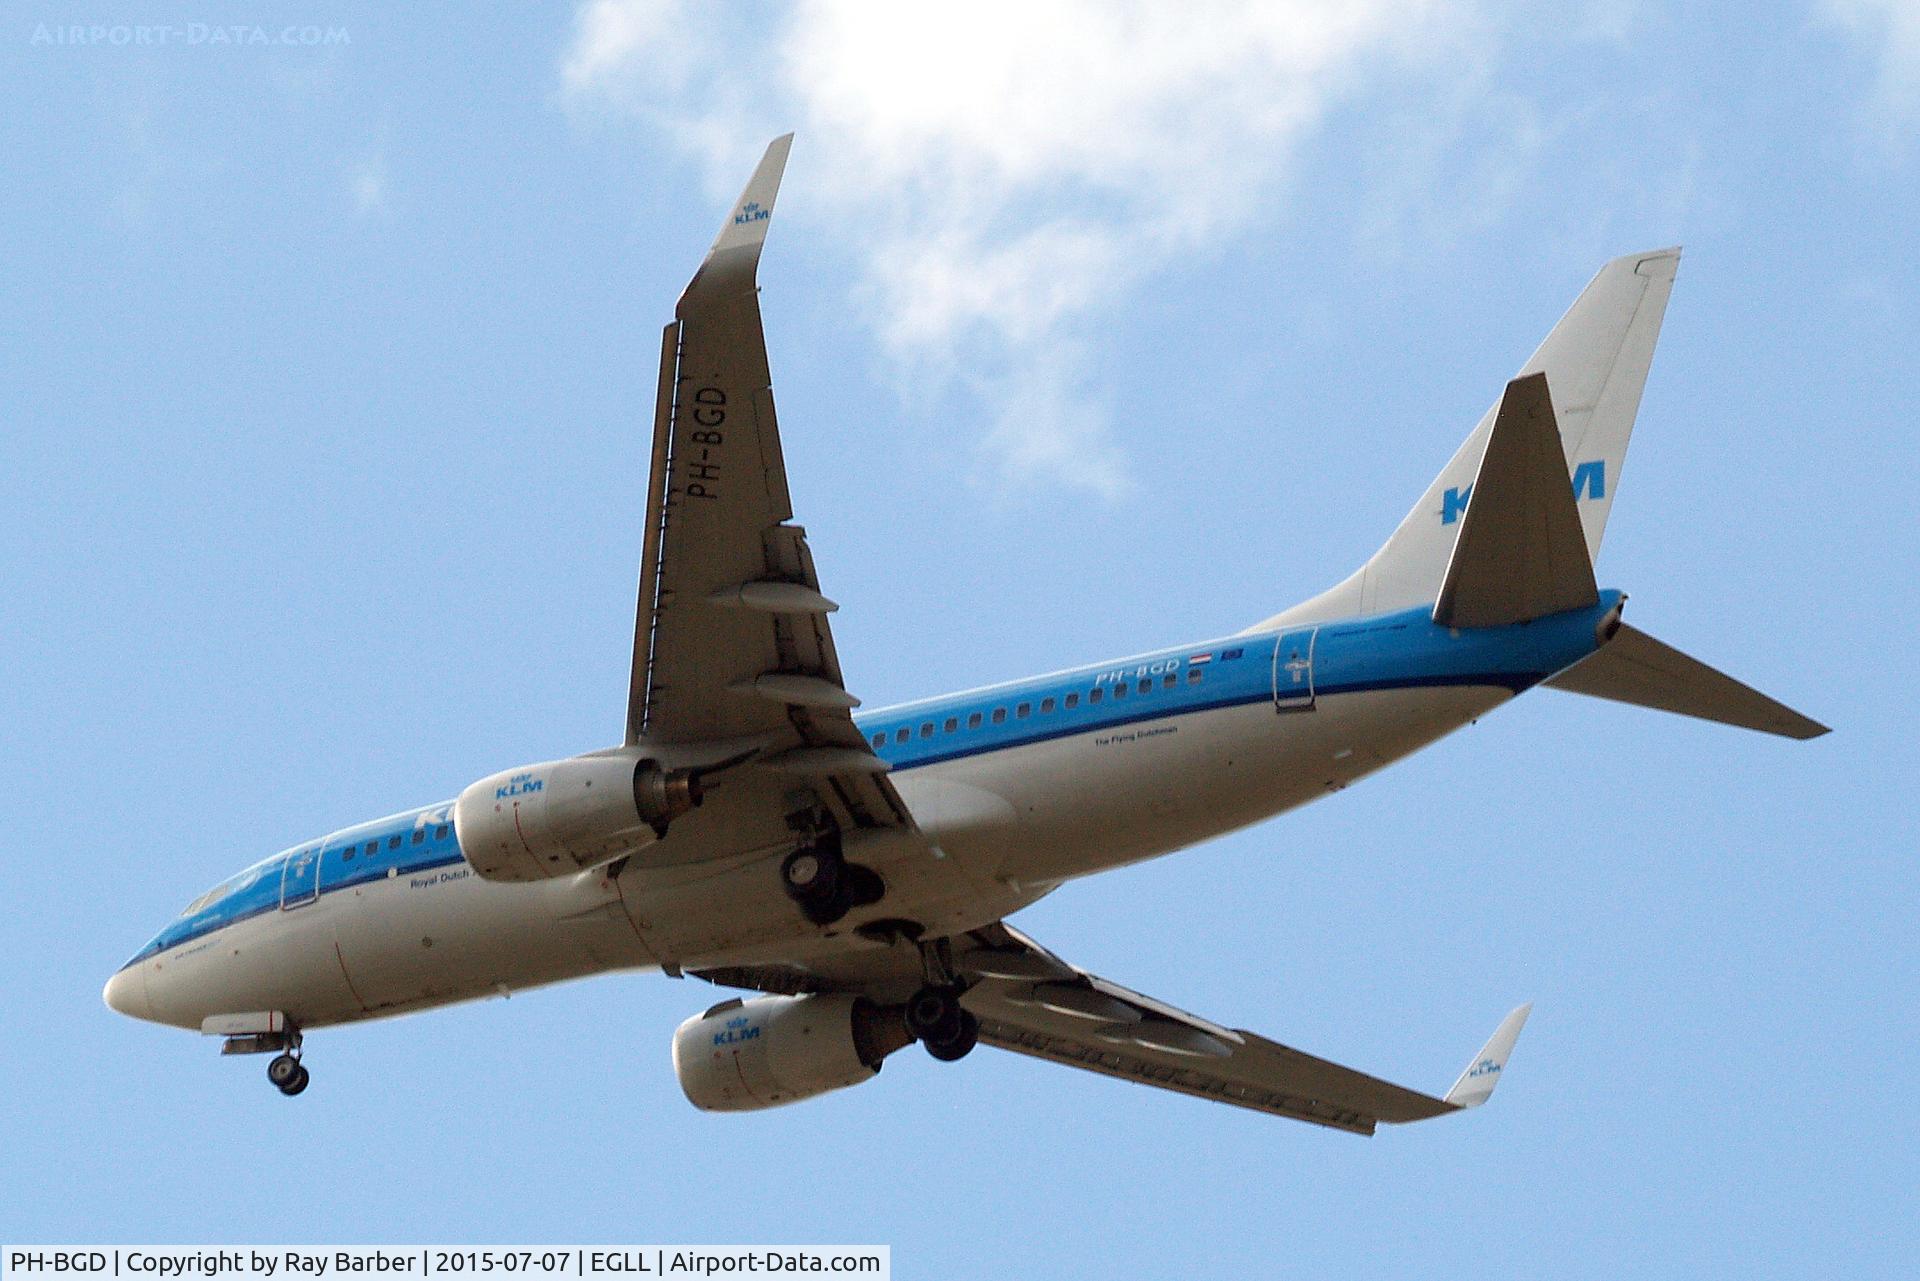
[
  {"x": 232, "y": 885},
  {"x": 206, "y": 900}
]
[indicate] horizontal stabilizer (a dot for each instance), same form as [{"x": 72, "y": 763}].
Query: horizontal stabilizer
[
  {"x": 1520, "y": 553},
  {"x": 1475, "y": 1085},
  {"x": 1633, "y": 667}
]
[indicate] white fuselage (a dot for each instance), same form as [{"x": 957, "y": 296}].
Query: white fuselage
[{"x": 1007, "y": 825}]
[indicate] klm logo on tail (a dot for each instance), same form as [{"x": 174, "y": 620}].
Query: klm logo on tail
[{"x": 1589, "y": 481}]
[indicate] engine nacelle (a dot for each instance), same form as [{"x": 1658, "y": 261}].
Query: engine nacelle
[
  {"x": 561, "y": 817},
  {"x": 741, "y": 1056}
]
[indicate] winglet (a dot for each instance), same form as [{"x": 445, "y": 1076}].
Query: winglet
[
  {"x": 1475, "y": 1085},
  {"x": 736, "y": 250}
]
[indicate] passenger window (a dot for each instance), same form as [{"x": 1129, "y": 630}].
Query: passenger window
[
  {"x": 1046, "y": 705},
  {"x": 393, "y": 842},
  {"x": 1168, "y": 681},
  {"x": 1073, "y": 701},
  {"x": 999, "y": 715},
  {"x": 440, "y": 832},
  {"x": 900, "y": 735},
  {"x": 1024, "y": 710},
  {"x": 419, "y": 835},
  {"x": 953, "y": 723},
  {"x": 926, "y": 730},
  {"x": 1119, "y": 691},
  {"x": 1095, "y": 694},
  {"x": 347, "y": 853},
  {"x": 879, "y": 740},
  {"x": 973, "y": 721},
  {"x": 1194, "y": 674}
]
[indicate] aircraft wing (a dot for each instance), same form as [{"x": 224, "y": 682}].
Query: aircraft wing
[
  {"x": 1030, "y": 1001},
  {"x": 731, "y": 644}
]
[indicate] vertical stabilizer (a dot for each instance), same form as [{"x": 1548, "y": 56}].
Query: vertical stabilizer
[
  {"x": 1519, "y": 554},
  {"x": 1596, "y": 360}
]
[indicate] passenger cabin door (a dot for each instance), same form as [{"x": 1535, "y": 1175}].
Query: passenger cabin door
[
  {"x": 300, "y": 879},
  {"x": 1293, "y": 670}
]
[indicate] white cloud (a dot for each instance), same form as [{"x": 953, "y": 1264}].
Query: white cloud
[
  {"x": 1016, "y": 168},
  {"x": 1889, "y": 30},
  {"x": 616, "y": 43},
  {"x": 367, "y": 185}
]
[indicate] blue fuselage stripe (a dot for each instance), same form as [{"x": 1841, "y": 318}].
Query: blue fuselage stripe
[
  {"x": 259, "y": 889},
  {"x": 1401, "y": 651},
  {"x": 1405, "y": 650}
]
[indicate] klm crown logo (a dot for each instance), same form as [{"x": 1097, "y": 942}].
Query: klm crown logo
[
  {"x": 519, "y": 785},
  {"x": 737, "y": 1030},
  {"x": 1589, "y": 481}
]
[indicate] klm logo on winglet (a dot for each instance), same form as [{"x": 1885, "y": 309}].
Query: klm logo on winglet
[
  {"x": 752, "y": 211},
  {"x": 1589, "y": 481}
]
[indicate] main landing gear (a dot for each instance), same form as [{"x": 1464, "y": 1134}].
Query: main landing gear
[
  {"x": 938, "y": 1021},
  {"x": 818, "y": 877}
]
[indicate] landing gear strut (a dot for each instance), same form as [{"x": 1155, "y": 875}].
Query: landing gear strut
[{"x": 938, "y": 1021}]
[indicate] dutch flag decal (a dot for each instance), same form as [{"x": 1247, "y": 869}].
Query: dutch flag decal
[{"x": 1195, "y": 660}]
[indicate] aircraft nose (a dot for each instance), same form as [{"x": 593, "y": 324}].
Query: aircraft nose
[{"x": 126, "y": 993}]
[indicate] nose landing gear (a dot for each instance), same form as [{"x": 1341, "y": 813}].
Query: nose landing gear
[
  {"x": 287, "y": 1073},
  {"x": 264, "y": 1033}
]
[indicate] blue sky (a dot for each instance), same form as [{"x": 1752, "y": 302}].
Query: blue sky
[{"x": 327, "y": 376}]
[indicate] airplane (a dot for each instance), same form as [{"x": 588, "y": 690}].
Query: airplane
[{"x": 855, "y": 873}]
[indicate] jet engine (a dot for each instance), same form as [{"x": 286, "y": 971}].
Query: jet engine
[
  {"x": 740, "y": 1055},
  {"x": 539, "y": 821}
]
